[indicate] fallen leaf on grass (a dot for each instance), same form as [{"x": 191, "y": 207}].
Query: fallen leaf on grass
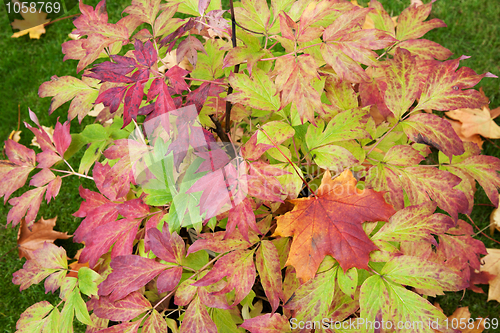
[
  {"x": 461, "y": 317},
  {"x": 41, "y": 232},
  {"x": 477, "y": 121},
  {"x": 492, "y": 266},
  {"x": 33, "y": 24}
]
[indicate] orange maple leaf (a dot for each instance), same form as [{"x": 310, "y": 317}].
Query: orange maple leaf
[
  {"x": 331, "y": 223},
  {"x": 42, "y": 231}
]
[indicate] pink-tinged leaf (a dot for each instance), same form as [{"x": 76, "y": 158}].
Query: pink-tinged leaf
[
  {"x": 29, "y": 204},
  {"x": 271, "y": 134},
  {"x": 130, "y": 273},
  {"x": 47, "y": 260},
  {"x": 288, "y": 26},
  {"x": 268, "y": 323},
  {"x": 42, "y": 138},
  {"x": 133, "y": 209},
  {"x": 422, "y": 183},
  {"x": 312, "y": 299},
  {"x": 256, "y": 92},
  {"x": 47, "y": 158},
  {"x": 210, "y": 296},
  {"x": 484, "y": 169},
  {"x": 83, "y": 93},
  {"x": 382, "y": 178},
  {"x": 53, "y": 189},
  {"x": 268, "y": 266},
  {"x": 217, "y": 243},
  {"x": 121, "y": 233},
  {"x": 202, "y": 6},
  {"x": 262, "y": 182},
  {"x": 371, "y": 93},
  {"x": 170, "y": 248},
  {"x": 189, "y": 48},
  {"x": 241, "y": 215},
  {"x": 434, "y": 131},
  {"x": 293, "y": 80},
  {"x": 426, "y": 49},
  {"x": 19, "y": 154},
  {"x": 123, "y": 309},
  {"x": 239, "y": 268},
  {"x": 155, "y": 323},
  {"x": 402, "y": 82},
  {"x": 132, "y": 101},
  {"x": 97, "y": 211},
  {"x": 415, "y": 223},
  {"x": 13, "y": 179},
  {"x": 242, "y": 54},
  {"x": 427, "y": 275},
  {"x": 96, "y": 22},
  {"x": 42, "y": 178},
  {"x": 458, "y": 241},
  {"x": 185, "y": 293},
  {"x": 99, "y": 173},
  {"x": 381, "y": 19},
  {"x": 114, "y": 71},
  {"x": 196, "y": 319},
  {"x": 340, "y": 93},
  {"x": 130, "y": 327},
  {"x": 411, "y": 23},
  {"x": 145, "y": 11},
  {"x": 169, "y": 279},
  {"x": 402, "y": 155},
  {"x": 443, "y": 88},
  {"x": 62, "y": 138},
  {"x": 35, "y": 317}
]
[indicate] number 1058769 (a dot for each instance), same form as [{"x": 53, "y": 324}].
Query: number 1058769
[
  {"x": 462, "y": 323},
  {"x": 33, "y": 7}
]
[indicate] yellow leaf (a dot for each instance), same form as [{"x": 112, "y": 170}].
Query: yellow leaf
[
  {"x": 492, "y": 266},
  {"x": 33, "y": 24},
  {"x": 15, "y": 135},
  {"x": 476, "y": 121},
  {"x": 494, "y": 221}
]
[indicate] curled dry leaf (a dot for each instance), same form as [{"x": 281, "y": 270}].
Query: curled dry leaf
[
  {"x": 494, "y": 221},
  {"x": 492, "y": 266},
  {"x": 41, "y": 232}
]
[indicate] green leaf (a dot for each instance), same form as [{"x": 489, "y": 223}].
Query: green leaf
[
  {"x": 382, "y": 299},
  {"x": 348, "y": 281},
  {"x": 333, "y": 158},
  {"x": 91, "y": 155},
  {"x": 196, "y": 260},
  {"x": 80, "y": 308},
  {"x": 34, "y": 318},
  {"x": 94, "y": 132},
  {"x": 257, "y": 92},
  {"x": 88, "y": 279},
  {"x": 224, "y": 321},
  {"x": 254, "y": 15},
  {"x": 344, "y": 126},
  {"x": 77, "y": 142}
]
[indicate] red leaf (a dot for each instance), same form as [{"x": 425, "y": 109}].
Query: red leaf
[
  {"x": 28, "y": 203},
  {"x": 62, "y": 138},
  {"x": 133, "y": 209},
  {"x": 241, "y": 215},
  {"x": 239, "y": 269},
  {"x": 217, "y": 242},
  {"x": 169, "y": 279},
  {"x": 170, "y": 248},
  {"x": 176, "y": 79},
  {"x": 130, "y": 273},
  {"x": 123, "y": 309},
  {"x": 112, "y": 98},
  {"x": 268, "y": 266},
  {"x": 267, "y": 323},
  {"x": 121, "y": 233},
  {"x": 164, "y": 102}
]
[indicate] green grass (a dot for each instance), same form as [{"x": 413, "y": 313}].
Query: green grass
[{"x": 473, "y": 30}]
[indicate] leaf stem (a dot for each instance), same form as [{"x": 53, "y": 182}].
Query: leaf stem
[
  {"x": 73, "y": 173},
  {"x": 480, "y": 231},
  {"x": 286, "y": 157},
  {"x": 60, "y": 19},
  {"x": 382, "y": 138},
  {"x": 229, "y": 105},
  {"x": 284, "y": 55}
]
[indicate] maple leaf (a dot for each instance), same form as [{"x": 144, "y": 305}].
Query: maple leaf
[
  {"x": 330, "y": 223},
  {"x": 48, "y": 261},
  {"x": 189, "y": 47},
  {"x": 463, "y": 315},
  {"x": 33, "y": 23},
  {"x": 41, "y": 232},
  {"x": 477, "y": 121},
  {"x": 492, "y": 266}
]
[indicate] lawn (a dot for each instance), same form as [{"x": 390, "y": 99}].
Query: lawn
[{"x": 473, "y": 30}]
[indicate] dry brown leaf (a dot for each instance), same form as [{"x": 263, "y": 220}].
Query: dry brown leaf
[
  {"x": 494, "y": 221},
  {"x": 170, "y": 61},
  {"x": 41, "y": 232},
  {"x": 462, "y": 315},
  {"x": 477, "y": 121},
  {"x": 33, "y": 24},
  {"x": 457, "y": 126},
  {"x": 492, "y": 266}
]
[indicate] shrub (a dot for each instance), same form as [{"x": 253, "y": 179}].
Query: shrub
[{"x": 216, "y": 137}]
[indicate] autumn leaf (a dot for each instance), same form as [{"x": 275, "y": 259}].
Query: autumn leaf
[
  {"x": 331, "y": 223},
  {"x": 462, "y": 315},
  {"x": 477, "y": 121},
  {"x": 33, "y": 23},
  {"x": 41, "y": 231},
  {"x": 492, "y": 266}
]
